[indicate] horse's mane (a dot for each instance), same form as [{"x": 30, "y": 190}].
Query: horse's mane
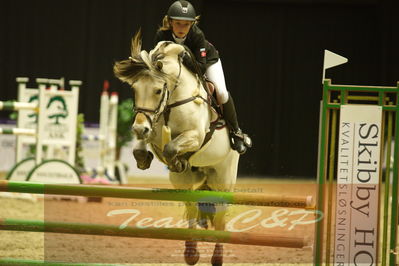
[{"x": 140, "y": 63}]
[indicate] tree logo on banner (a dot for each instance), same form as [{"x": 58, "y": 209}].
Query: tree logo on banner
[
  {"x": 33, "y": 115},
  {"x": 58, "y": 108}
]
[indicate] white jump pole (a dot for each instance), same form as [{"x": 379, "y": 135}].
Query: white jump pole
[
  {"x": 107, "y": 138},
  {"x": 110, "y": 155}
]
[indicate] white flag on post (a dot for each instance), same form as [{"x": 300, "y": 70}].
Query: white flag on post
[{"x": 331, "y": 60}]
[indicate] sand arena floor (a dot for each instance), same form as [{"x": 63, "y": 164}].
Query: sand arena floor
[{"x": 137, "y": 251}]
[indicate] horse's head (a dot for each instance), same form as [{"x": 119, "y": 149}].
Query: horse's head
[
  {"x": 144, "y": 73},
  {"x": 151, "y": 95}
]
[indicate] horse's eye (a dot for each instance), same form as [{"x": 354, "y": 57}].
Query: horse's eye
[{"x": 158, "y": 91}]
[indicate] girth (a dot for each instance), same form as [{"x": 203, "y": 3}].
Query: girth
[{"x": 166, "y": 112}]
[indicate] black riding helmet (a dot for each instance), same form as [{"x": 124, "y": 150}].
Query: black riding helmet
[{"x": 182, "y": 10}]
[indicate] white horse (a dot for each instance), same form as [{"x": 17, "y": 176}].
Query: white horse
[{"x": 173, "y": 115}]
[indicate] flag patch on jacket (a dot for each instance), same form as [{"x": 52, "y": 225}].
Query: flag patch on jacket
[{"x": 203, "y": 52}]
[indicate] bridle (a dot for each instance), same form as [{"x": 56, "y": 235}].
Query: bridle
[
  {"x": 158, "y": 110},
  {"x": 163, "y": 107}
]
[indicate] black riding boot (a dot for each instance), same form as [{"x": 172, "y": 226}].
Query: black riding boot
[{"x": 239, "y": 141}]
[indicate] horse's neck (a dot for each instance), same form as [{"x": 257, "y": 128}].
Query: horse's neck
[{"x": 187, "y": 86}]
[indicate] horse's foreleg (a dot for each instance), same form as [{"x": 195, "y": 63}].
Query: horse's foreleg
[
  {"x": 219, "y": 221},
  {"x": 187, "y": 141},
  {"x": 142, "y": 155},
  {"x": 191, "y": 254}
]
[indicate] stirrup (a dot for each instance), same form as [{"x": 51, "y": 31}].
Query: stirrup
[
  {"x": 240, "y": 141},
  {"x": 244, "y": 137}
]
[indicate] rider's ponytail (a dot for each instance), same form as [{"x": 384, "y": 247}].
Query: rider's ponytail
[{"x": 165, "y": 23}]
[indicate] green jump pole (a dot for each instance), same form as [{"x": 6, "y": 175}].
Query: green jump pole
[
  {"x": 22, "y": 262},
  {"x": 13, "y": 106},
  {"x": 257, "y": 199},
  {"x": 240, "y": 238},
  {"x": 18, "y": 131}
]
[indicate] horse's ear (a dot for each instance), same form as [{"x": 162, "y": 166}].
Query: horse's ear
[{"x": 159, "y": 65}]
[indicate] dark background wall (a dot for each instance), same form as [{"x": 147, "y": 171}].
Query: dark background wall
[{"x": 272, "y": 52}]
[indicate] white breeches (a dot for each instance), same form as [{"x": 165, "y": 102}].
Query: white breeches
[{"x": 215, "y": 74}]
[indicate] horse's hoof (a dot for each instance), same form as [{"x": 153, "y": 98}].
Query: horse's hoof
[
  {"x": 169, "y": 152},
  {"x": 178, "y": 166},
  {"x": 191, "y": 256},
  {"x": 143, "y": 158},
  {"x": 217, "y": 257},
  {"x": 183, "y": 165}
]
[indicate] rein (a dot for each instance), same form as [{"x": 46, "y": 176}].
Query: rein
[{"x": 168, "y": 107}]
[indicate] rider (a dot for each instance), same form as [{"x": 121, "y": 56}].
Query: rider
[{"x": 180, "y": 26}]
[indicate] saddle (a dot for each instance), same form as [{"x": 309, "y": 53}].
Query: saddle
[
  {"x": 210, "y": 86},
  {"x": 215, "y": 105}
]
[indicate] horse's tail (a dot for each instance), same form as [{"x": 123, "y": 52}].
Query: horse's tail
[{"x": 206, "y": 210}]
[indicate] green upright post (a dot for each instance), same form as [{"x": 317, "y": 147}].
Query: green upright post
[
  {"x": 321, "y": 178},
  {"x": 394, "y": 195},
  {"x": 387, "y": 193}
]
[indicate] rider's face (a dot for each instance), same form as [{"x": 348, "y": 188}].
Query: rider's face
[{"x": 181, "y": 27}]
